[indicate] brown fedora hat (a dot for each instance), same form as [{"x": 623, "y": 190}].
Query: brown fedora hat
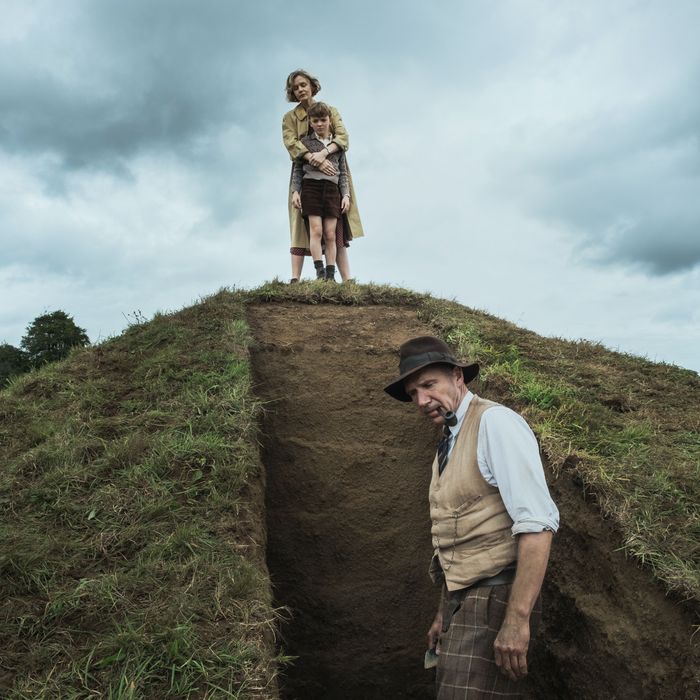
[{"x": 423, "y": 351}]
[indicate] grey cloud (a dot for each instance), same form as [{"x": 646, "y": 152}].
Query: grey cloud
[
  {"x": 627, "y": 188},
  {"x": 86, "y": 129},
  {"x": 105, "y": 81},
  {"x": 658, "y": 246}
]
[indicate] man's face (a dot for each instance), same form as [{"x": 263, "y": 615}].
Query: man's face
[
  {"x": 321, "y": 125},
  {"x": 433, "y": 387}
]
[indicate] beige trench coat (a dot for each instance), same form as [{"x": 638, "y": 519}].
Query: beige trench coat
[{"x": 295, "y": 125}]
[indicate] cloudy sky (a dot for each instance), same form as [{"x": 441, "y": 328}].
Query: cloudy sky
[{"x": 538, "y": 159}]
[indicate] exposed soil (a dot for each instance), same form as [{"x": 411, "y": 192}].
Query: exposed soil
[
  {"x": 348, "y": 533},
  {"x": 609, "y": 631}
]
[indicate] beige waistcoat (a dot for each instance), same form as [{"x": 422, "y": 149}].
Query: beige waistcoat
[{"x": 471, "y": 527}]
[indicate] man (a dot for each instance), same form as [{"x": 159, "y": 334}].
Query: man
[{"x": 492, "y": 525}]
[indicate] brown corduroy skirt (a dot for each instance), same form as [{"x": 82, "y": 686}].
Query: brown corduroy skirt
[
  {"x": 466, "y": 663},
  {"x": 341, "y": 227},
  {"x": 320, "y": 198}
]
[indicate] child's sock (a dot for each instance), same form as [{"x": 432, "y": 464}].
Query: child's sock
[
  {"x": 330, "y": 273},
  {"x": 320, "y": 272}
]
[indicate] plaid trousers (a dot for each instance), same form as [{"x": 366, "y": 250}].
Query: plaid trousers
[{"x": 466, "y": 667}]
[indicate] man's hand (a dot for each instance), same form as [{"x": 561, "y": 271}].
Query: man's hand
[
  {"x": 434, "y": 631},
  {"x": 345, "y": 204},
  {"x": 296, "y": 200},
  {"x": 511, "y": 649}
]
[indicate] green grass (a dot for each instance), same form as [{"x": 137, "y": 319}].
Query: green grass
[
  {"x": 126, "y": 565},
  {"x": 131, "y": 562}
]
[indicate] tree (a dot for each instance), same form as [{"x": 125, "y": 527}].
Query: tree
[
  {"x": 12, "y": 361},
  {"x": 50, "y": 337}
]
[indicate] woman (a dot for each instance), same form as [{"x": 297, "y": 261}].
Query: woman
[{"x": 302, "y": 87}]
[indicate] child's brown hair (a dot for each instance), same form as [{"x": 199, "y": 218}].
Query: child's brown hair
[{"x": 319, "y": 109}]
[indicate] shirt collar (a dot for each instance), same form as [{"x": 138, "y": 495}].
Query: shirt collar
[{"x": 461, "y": 412}]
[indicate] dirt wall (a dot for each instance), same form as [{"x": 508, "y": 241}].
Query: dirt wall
[{"x": 346, "y": 494}]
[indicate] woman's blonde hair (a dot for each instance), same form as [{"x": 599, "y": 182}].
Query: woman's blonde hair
[{"x": 315, "y": 84}]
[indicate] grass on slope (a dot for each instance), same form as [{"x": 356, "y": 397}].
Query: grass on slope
[
  {"x": 627, "y": 428},
  {"x": 129, "y": 564}
]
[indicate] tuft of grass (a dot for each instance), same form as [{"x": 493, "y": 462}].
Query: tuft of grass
[{"x": 347, "y": 294}]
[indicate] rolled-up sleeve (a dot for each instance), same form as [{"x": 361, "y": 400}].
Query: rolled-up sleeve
[{"x": 509, "y": 458}]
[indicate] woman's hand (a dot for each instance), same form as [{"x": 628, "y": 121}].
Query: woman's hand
[
  {"x": 320, "y": 160},
  {"x": 296, "y": 200},
  {"x": 317, "y": 158},
  {"x": 345, "y": 204}
]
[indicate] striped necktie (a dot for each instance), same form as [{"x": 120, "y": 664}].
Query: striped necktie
[{"x": 444, "y": 448}]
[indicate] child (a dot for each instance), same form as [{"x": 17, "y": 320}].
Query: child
[{"x": 322, "y": 198}]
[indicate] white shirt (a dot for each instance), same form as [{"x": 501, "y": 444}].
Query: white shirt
[
  {"x": 325, "y": 141},
  {"x": 509, "y": 458}
]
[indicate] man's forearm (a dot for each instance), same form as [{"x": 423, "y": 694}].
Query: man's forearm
[
  {"x": 513, "y": 638},
  {"x": 533, "y": 555}
]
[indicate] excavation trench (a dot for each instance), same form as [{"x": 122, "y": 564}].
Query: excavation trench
[
  {"x": 345, "y": 500},
  {"x": 348, "y": 533}
]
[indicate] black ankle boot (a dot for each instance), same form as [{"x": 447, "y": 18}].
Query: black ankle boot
[
  {"x": 330, "y": 273},
  {"x": 320, "y": 272}
]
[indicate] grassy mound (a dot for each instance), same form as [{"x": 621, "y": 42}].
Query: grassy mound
[{"x": 133, "y": 538}]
